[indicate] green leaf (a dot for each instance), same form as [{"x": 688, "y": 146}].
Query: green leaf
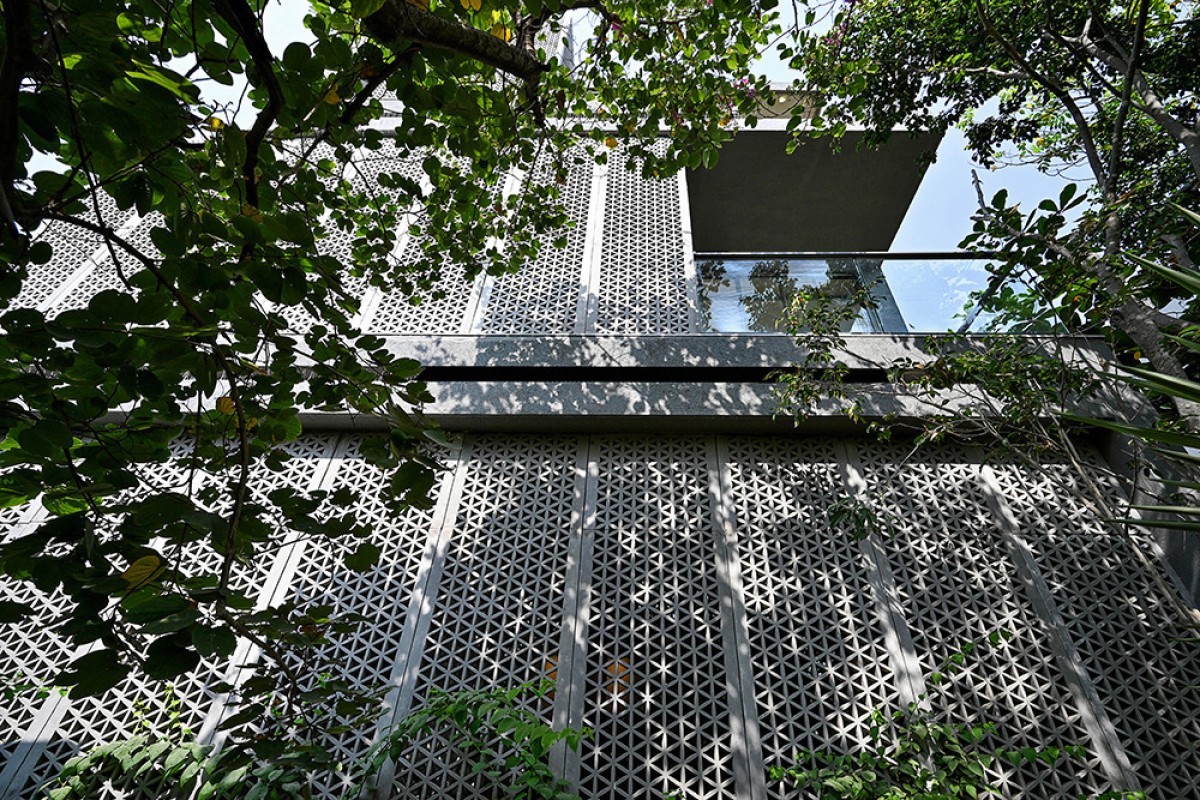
[
  {"x": 1166, "y": 384},
  {"x": 1185, "y": 510},
  {"x": 1138, "y": 431},
  {"x": 147, "y": 605},
  {"x": 234, "y": 146},
  {"x": 46, "y": 437},
  {"x": 246, "y": 714},
  {"x": 365, "y": 8},
  {"x": 297, "y": 55},
  {"x": 64, "y": 503},
  {"x": 174, "y": 83},
  {"x": 218, "y": 642},
  {"x": 12, "y": 611},
  {"x": 365, "y": 556},
  {"x": 1189, "y": 280},
  {"x": 180, "y": 756},
  {"x": 17, "y": 490},
  {"x": 1186, "y": 343},
  {"x": 93, "y": 673},
  {"x": 166, "y": 658},
  {"x": 1187, "y": 214},
  {"x": 171, "y": 623}
]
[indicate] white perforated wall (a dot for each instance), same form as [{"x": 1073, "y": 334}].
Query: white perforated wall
[
  {"x": 366, "y": 657},
  {"x": 655, "y": 677},
  {"x": 708, "y": 604},
  {"x": 1147, "y": 671},
  {"x": 643, "y": 286},
  {"x": 817, "y": 649},
  {"x": 363, "y": 174},
  {"x": 64, "y": 726},
  {"x": 543, "y": 296},
  {"x": 76, "y": 253},
  {"x": 957, "y": 584},
  {"x": 438, "y": 309},
  {"x": 498, "y": 602}
]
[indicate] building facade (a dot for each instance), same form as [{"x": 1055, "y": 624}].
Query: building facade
[{"x": 623, "y": 515}]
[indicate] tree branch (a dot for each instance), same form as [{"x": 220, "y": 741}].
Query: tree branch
[
  {"x": 19, "y": 58},
  {"x": 1140, "y": 322},
  {"x": 1179, "y": 249},
  {"x": 401, "y": 59},
  {"x": 398, "y": 21},
  {"x": 992, "y": 72},
  {"x": 1061, "y": 94},
  {"x": 103, "y": 231},
  {"x": 1150, "y": 103},
  {"x": 241, "y": 18},
  {"x": 1113, "y": 226}
]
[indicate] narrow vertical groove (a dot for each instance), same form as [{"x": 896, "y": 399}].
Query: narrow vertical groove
[
  {"x": 564, "y": 761},
  {"x": 1096, "y": 721},
  {"x": 689, "y": 255},
  {"x": 420, "y": 608},
  {"x": 589, "y": 276},
  {"x": 279, "y": 579},
  {"x": 36, "y": 737},
  {"x": 589, "y": 460},
  {"x": 476, "y": 303},
  {"x": 748, "y": 768},
  {"x": 906, "y": 667}
]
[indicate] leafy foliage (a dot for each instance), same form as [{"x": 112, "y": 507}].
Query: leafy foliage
[
  {"x": 1097, "y": 88},
  {"x": 916, "y": 753},
  {"x": 857, "y": 518},
  {"x": 819, "y": 317},
  {"x": 509, "y": 742},
  {"x": 504, "y": 742},
  {"x": 143, "y": 421}
]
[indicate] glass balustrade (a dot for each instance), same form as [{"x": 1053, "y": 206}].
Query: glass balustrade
[{"x": 908, "y": 293}]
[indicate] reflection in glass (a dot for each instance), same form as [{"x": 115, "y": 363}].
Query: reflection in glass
[
  {"x": 743, "y": 295},
  {"x": 912, "y": 294}
]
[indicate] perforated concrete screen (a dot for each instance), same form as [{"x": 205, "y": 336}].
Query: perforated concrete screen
[
  {"x": 555, "y": 278},
  {"x": 627, "y": 267},
  {"x": 694, "y": 606},
  {"x": 644, "y": 281},
  {"x": 79, "y": 257}
]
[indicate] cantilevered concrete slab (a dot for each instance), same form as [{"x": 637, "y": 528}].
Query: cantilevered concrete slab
[{"x": 818, "y": 199}]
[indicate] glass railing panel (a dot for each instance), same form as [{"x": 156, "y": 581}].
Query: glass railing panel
[
  {"x": 926, "y": 293},
  {"x": 935, "y": 295}
]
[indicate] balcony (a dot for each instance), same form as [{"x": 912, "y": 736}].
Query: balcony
[{"x": 907, "y": 292}]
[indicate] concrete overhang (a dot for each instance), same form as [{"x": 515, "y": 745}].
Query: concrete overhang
[
  {"x": 757, "y": 199},
  {"x": 636, "y": 407},
  {"x": 672, "y": 407},
  {"x": 694, "y": 352},
  {"x": 676, "y": 383}
]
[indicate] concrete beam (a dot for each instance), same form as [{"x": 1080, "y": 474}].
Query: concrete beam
[{"x": 741, "y": 350}]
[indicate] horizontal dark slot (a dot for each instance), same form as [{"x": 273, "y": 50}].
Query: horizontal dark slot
[
  {"x": 627, "y": 374},
  {"x": 916, "y": 255}
]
